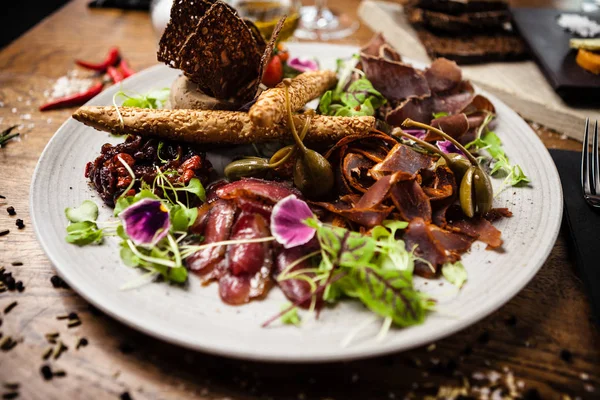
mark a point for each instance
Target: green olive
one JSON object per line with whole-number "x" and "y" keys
{"x": 466, "y": 193}
{"x": 251, "y": 166}
{"x": 459, "y": 165}
{"x": 484, "y": 193}
{"x": 313, "y": 174}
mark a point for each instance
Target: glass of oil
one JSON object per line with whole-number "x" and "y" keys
{"x": 266, "y": 13}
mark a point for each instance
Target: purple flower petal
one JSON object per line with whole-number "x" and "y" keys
{"x": 287, "y": 222}
{"x": 418, "y": 133}
{"x": 303, "y": 64}
{"x": 146, "y": 222}
{"x": 448, "y": 147}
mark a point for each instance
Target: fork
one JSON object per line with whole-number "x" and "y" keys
{"x": 590, "y": 168}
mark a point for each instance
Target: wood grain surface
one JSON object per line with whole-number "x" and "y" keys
{"x": 544, "y": 337}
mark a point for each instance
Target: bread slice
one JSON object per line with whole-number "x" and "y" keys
{"x": 475, "y": 48}
{"x": 459, "y": 6}
{"x": 459, "y": 24}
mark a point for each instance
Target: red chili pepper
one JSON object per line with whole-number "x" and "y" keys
{"x": 111, "y": 59}
{"x": 126, "y": 69}
{"x": 74, "y": 99}
{"x": 114, "y": 74}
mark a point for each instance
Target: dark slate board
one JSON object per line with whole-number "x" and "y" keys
{"x": 549, "y": 45}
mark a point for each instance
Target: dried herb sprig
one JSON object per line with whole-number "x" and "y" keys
{"x": 6, "y": 135}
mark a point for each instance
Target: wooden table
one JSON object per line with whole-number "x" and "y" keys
{"x": 525, "y": 337}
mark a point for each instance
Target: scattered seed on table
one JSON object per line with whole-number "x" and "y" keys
{"x": 57, "y": 282}
{"x": 12, "y": 385}
{"x": 19, "y": 286}
{"x": 4, "y": 232}
{"x": 46, "y": 372}
{"x": 9, "y": 307}
{"x": 82, "y": 342}
{"x": 59, "y": 349}
{"x": 16, "y": 263}
{"x": 74, "y": 323}
{"x": 59, "y": 373}
{"x": 7, "y": 343}
{"x": 62, "y": 316}
{"x": 10, "y": 395}
{"x": 10, "y": 283}
{"x": 125, "y": 396}
{"x": 2, "y": 197}
{"x": 11, "y": 210}
{"x": 73, "y": 315}
{"x": 47, "y": 353}
{"x": 566, "y": 355}
{"x": 19, "y": 223}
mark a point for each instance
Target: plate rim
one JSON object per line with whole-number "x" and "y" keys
{"x": 237, "y": 353}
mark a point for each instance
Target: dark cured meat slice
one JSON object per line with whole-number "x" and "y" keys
{"x": 497, "y": 213}
{"x": 411, "y": 201}
{"x": 427, "y": 247}
{"x": 419, "y": 110}
{"x": 454, "y": 125}
{"x": 454, "y": 242}
{"x": 443, "y": 75}
{"x": 249, "y": 258}
{"x": 253, "y": 206}
{"x": 372, "y": 48}
{"x": 402, "y": 158}
{"x": 295, "y": 289}
{"x": 443, "y": 184}
{"x": 202, "y": 219}
{"x": 218, "y": 226}
{"x": 378, "y": 192}
{"x": 393, "y": 79}
{"x": 367, "y": 217}
{"x": 254, "y": 188}
{"x": 249, "y": 264}
{"x": 481, "y": 229}
{"x": 355, "y": 168}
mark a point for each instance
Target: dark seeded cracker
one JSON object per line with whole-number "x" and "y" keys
{"x": 222, "y": 53}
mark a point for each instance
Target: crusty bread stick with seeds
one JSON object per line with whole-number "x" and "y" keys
{"x": 269, "y": 108}
{"x": 215, "y": 127}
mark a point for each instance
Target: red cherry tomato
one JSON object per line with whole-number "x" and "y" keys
{"x": 274, "y": 72}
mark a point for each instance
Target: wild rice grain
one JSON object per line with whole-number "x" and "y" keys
{"x": 4, "y": 232}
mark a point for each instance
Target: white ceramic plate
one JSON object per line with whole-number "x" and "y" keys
{"x": 196, "y": 318}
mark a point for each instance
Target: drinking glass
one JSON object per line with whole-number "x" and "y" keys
{"x": 318, "y": 22}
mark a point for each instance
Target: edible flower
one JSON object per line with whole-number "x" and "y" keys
{"x": 303, "y": 64}
{"x": 288, "y": 222}
{"x": 448, "y": 147}
{"x": 146, "y": 222}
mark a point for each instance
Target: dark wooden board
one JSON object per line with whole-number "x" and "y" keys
{"x": 549, "y": 45}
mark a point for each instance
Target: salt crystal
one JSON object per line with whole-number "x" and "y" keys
{"x": 1, "y": 104}
{"x": 431, "y": 347}
{"x": 579, "y": 24}
{"x": 494, "y": 376}
{"x": 584, "y": 376}
{"x": 478, "y": 376}
{"x": 564, "y": 136}
{"x": 589, "y": 388}
{"x": 25, "y": 116}
{"x": 20, "y": 98}
{"x": 28, "y": 103}
{"x": 31, "y": 126}
{"x": 13, "y": 110}
{"x": 49, "y": 120}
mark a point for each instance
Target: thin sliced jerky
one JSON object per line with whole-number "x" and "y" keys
{"x": 443, "y": 75}
{"x": 221, "y": 53}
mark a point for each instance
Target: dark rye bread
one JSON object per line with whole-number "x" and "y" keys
{"x": 460, "y": 6}
{"x": 459, "y": 24}
{"x": 474, "y": 49}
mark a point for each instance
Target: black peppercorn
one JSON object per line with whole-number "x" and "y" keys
{"x": 19, "y": 286}
{"x": 566, "y": 355}
{"x": 10, "y": 283}
{"x": 46, "y": 372}
{"x": 19, "y": 223}
{"x": 125, "y": 396}
{"x": 11, "y": 210}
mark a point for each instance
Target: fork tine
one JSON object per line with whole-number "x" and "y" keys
{"x": 585, "y": 182}
{"x": 596, "y": 176}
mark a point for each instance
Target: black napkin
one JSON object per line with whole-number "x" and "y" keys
{"x": 583, "y": 222}
{"x": 123, "y": 4}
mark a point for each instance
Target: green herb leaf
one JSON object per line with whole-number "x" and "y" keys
{"x": 291, "y": 317}
{"x": 87, "y": 211}
{"x": 195, "y": 187}
{"x": 153, "y": 99}
{"x": 455, "y": 273}
{"x": 84, "y": 233}
{"x": 182, "y": 218}
{"x": 440, "y": 115}
{"x": 388, "y": 293}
